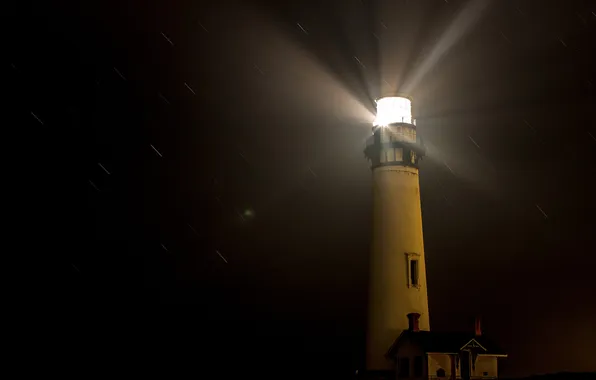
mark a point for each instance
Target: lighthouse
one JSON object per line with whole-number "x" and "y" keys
{"x": 398, "y": 299}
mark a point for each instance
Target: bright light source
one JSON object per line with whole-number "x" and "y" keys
{"x": 393, "y": 109}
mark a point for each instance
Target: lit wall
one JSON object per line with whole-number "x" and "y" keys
{"x": 438, "y": 361}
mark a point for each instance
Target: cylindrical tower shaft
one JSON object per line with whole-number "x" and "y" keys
{"x": 397, "y": 265}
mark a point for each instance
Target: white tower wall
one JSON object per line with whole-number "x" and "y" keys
{"x": 397, "y": 286}
{"x": 397, "y": 239}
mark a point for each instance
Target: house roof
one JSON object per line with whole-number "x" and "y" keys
{"x": 446, "y": 342}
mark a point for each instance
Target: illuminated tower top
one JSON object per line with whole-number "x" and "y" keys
{"x": 394, "y": 109}
{"x": 394, "y": 140}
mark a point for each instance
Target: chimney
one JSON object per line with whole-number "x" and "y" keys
{"x": 477, "y": 327}
{"x": 413, "y": 322}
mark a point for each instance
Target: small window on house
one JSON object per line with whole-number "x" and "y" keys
{"x": 440, "y": 372}
{"x": 414, "y": 272}
{"x": 404, "y": 367}
{"x": 418, "y": 365}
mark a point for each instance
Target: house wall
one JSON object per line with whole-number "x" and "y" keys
{"x": 438, "y": 361}
{"x": 485, "y": 364}
{"x": 411, "y": 351}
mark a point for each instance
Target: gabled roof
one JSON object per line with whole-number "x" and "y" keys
{"x": 446, "y": 342}
{"x": 473, "y": 343}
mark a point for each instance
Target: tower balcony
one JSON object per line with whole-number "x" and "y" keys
{"x": 396, "y": 144}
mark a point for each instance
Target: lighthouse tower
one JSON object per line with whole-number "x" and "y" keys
{"x": 397, "y": 296}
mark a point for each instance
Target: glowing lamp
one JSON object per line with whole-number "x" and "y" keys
{"x": 393, "y": 109}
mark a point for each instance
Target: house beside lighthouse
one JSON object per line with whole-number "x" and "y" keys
{"x": 444, "y": 355}
{"x": 400, "y": 343}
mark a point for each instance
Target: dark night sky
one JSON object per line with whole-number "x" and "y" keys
{"x": 161, "y": 134}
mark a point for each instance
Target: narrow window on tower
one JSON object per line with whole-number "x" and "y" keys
{"x": 414, "y": 272}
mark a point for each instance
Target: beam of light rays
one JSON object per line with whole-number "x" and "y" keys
{"x": 344, "y": 28}
{"x": 399, "y": 33}
{"x": 316, "y": 80}
{"x": 496, "y": 108}
{"x": 284, "y": 193}
{"x": 467, "y": 18}
{"x": 475, "y": 174}
{"x": 347, "y": 33}
{"x": 299, "y": 74}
